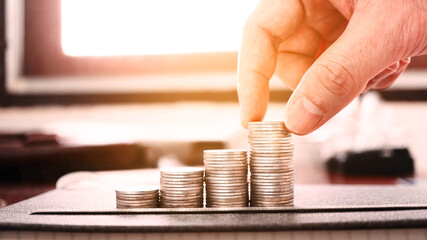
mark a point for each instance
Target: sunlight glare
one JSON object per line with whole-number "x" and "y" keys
{"x": 140, "y": 27}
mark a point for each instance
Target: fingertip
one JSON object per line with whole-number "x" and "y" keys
{"x": 302, "y": 116}
{"x": 243, "y": 121}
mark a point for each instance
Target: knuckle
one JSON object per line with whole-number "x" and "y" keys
{"x": 337, "y": 79}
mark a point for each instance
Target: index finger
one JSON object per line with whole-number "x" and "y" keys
{"x": 272, "y": 22}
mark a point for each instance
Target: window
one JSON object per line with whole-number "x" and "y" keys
{"x": 128, "y": 37}
{"x": 116, "y": 50}
{"x": 89, "y": 51}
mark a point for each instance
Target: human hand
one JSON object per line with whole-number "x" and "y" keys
{"x": 328, "y": 52}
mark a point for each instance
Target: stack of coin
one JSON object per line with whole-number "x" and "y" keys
{"x": 137, "y": 197}
{"x": 181, "y": 187}
{"x": 226, "y": 178}
{"x": 271, "y": 166}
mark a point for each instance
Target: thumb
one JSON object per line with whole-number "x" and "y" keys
{"x": 340, "y": 74}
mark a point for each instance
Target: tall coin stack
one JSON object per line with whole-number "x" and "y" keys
{"x": 271, "y": 166}
{"x": 226, "y": 178}
{"x": 137, "y": 197}
{"x": 181, "y": 187}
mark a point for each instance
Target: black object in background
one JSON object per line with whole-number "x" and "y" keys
{"x": 41, "y": 158}
{"x": 378, "y": 162}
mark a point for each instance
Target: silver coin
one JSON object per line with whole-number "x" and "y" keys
{"x": 182, "y": 175}
{"x": 220, "y": 189}
{"x": 271, "y": 175}
{"x": 137, "y": 206}
{"x": 178, "y": 185}
{"x": 137, "y": 203}
{"x": 181, "y": 201}
{"x": 266, "y": 127}
{"x": 271, "y": 153}
{"x": 232, "y": 157}
{"x": 269, "y": 170}
{"x": 182, "y": 206}
{"x": 226, "y": 205}
{"x": 209, "y": 159}
{"x": 225, "y": 161}
{"x": 226, "y": 183}
{"x": 227, "y": 191}
{"x": 272, "y": 200}
{"x": 215, "y": 194}
{"x": 284, "y": 160}
{"x": 272, "y": 163}
{"x": 148, "y": 195}
{"x": 179, "y": 191}
{"x": 284, "y": 204}
{"x": 226, "y": 173}
{"x": 181, "y": 179}
{"x": 136, "y": 190}
{"x": 228, "y": 176}
{"x": 137, "y": 198}
{"x": 175, "y": 195}
{"x": 212, "y": 197}
{"x": 227, "y": 199}
{"x": 272, "y": 181}
{"x": 267, "y": 196}
{"x": 271, "y": 148}
{"x": 225, "y": 152}
{"x": 228, "y": 188}
{"x": 255, "y": 183}
{"x": 269, "y": 140}
{"x": 227, "y": 167}
{"x": 165, "y": 196}
{"x": 226, "y": 170}
{"x": 256, "y": 162}
{"x": 241, "y": 177}
{"x": 270, "y": 191}
{"x": 272, "y": 197}
{"x": 275, "y": 145}
{"x": 266, "y": 135}
{"x": 229, "y": 202}
{"x": 181, "y": 184}
{"x": 133, "y": 207}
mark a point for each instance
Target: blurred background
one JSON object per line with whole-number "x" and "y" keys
{"x": 95, "y": 85}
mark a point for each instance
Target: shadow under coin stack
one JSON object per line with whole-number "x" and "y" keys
{"x": 181, "y": 187}
{"x": 137, "y": 197}
{"x": 226, "y": 178}
{"x": 271, "y": 165}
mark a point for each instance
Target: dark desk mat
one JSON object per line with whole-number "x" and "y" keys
{"x": 316, "y": 207}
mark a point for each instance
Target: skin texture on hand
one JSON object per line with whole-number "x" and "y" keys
{"x": 328, "y": 52}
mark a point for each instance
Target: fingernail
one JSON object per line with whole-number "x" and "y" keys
{"x": 243, "y": 121}
{"x": 303, "y": 116}
{"x": 406, "y": 60}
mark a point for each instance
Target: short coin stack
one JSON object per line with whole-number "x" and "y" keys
{"x": 226, "y": 177}
{"x": 181, "y": 187}
{"x": 271, "y": 166}
{"x": 137, "y": 197}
